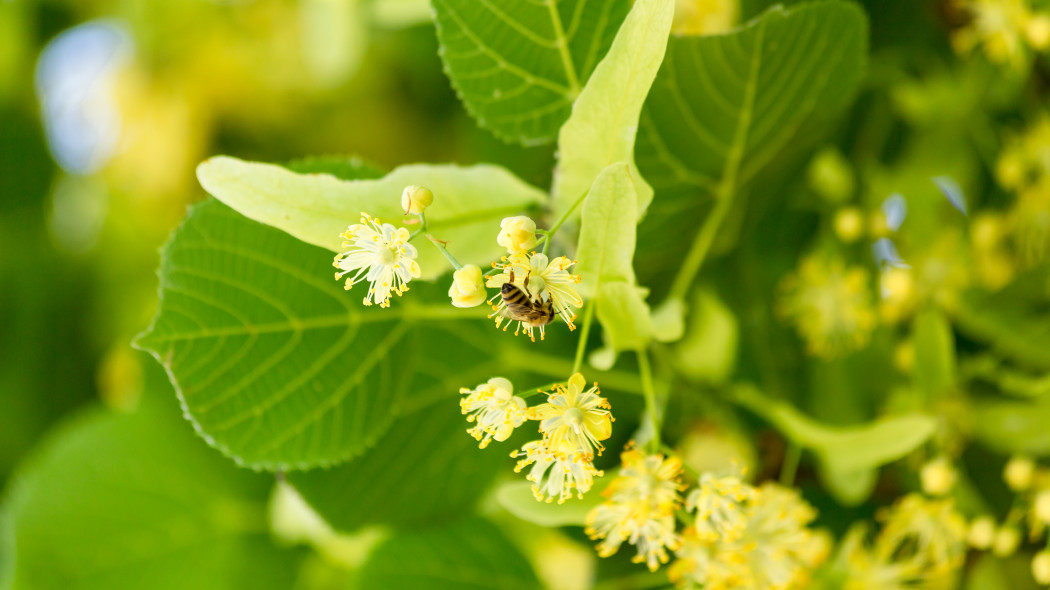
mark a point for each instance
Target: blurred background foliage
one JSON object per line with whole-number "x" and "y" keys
{"x": 922, "y": 220}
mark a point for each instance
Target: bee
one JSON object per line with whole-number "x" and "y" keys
{"x": 520, "y": 306}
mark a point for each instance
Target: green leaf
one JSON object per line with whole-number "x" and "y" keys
{"x": 425, "y": 471}
{"x": 934, "y": 354}
{"x": 845, "y": 449}
{"x": 275, "y": 364}
{"x": 849, "y": 488}
{"x": 517, "y": 498}
{"x": 114, "y": 501}
{"x": 604, "y": 121}
{"x": 1014, "y": 320}
{"x": 469, "y": 203}
{"x": 472, "y": 555}
{"x": 605, "y": 249}
{"x": 1014, "y": 426}
{"x": 519, "y": 64}
{"x": 724, "y": 106}
{"x": 708, "y": 351}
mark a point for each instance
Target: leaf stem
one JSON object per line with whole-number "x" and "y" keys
{"x": 437, "y": 243}
{"x": 701, "y": 246}
{"x": 564, "y": 217}
{"x": 646, "y": 373}
{"x": 789, "y": 467}
{"x": 585, "y": 331}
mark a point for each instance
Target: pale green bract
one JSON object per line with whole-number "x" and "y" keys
{"x": 604, "y": 121}
{"x": 469, "y": 202}
{"x": 843, "y": 448}
{"x": 518, "y": 65}
{"x": 517, "y": 498}
{"x": 605, "y": 253}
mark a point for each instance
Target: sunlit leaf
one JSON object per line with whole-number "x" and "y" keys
{"x": 604, "y": 121}
{"x": 518, "y": 499}
{"x": 519, "y": 64}
{"x": 275, "y": 364}
{"x": 934, "y": 354}
{"x": 469, "y": 203}
{"x": 605, "y": 249}
{"x": 472, "y": 555}
{"x": 115, "y": 501}
{"x": 724, "y": 106}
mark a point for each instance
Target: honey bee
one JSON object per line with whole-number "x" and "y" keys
{"x": 520, "y": 306}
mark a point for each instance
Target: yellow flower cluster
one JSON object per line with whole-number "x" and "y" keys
{"x": 921, "y": 545}
{"x": 640, "y": 508}
{"x": 1024, "y": 169}
{"x": 1005, "y": 30}
{"x": 829, "y": 304}
{"x": 774, "y": 549}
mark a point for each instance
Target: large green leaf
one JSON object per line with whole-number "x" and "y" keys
{"x": 275, "y": 364}
{"x": 469, "y": 203}
{"x": 934, "y": 354}
{"x": 426, "y": 470}
{"x": 843, "y": 449}
{"x": 472, "y": 555}
{"x": 605, "y": 248}
{"x": 114, "y": 501}
{"x": 518, "y": 65}
{"x": 724, "y": 106}
{"x": 604, "y": 121}
{"x": 1014, "y": 426}
{"x": 1015, "y": 320}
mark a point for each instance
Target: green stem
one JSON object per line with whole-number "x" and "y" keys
{"x": 646, "y": 373}
{"x": 585, "y": 331}
{"x": 441, "y": 248}
{"x": 702, "y": 244}
{"x": 790, "y": 466}
{"x": 559, "y": 367}
{"x": 565, "y": 217}
{"x": 538, "y": 390}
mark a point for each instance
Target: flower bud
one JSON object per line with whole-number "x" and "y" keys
{"x": 1041, "y": 507}
{"x": 1018, "y": 473}
{"x": 849, "y": 224}
{"x": 414, "y": 199}
{"x": 517, "y": 234}
{"x": 981, "y": 533}
{"x": 938, "y": 477}
{"x": 1041, "y": 567}
{"x": 1007, "y": 539}
{"x": 468, "y": 287}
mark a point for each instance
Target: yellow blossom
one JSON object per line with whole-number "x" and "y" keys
{"x": 720, "y": 504}
{"x": 574, "y": 420}
{"x": 468, "y": 287}
{"x": 545, "y": 282}
{"x": 555, "y": 472}
{"x": 704, "y": 17}
{"x": 1004, "y": 29}
{"x": 640, "y": 508}
{"x": 1006, "y": 541}
{"x": 381, "y": 255}
{"x": 938, "y": 476}
{"x": 494, "y": 408}
{"x": 981, "y": 533}
{"x": 1041, "y": 567}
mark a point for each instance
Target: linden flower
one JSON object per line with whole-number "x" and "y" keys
{"x": 640, "y": 509}
{"x": 556, "y": 471}
{"x": 495, "y": 409}
{"x": 381, "y": 255}
{"x": 830, "y": 304}
{"x": 573, "y": 420}
{"x": 468, "y": 287}
{"x": 1002, "y": 28}
{"x": 720, "y": 505}
{"x": 545, "y": 282}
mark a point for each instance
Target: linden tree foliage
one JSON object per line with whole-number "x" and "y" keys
{"x": 471, "y": 555}
{"x": 519, "y": 66}
{"x": 136, "y": 501}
